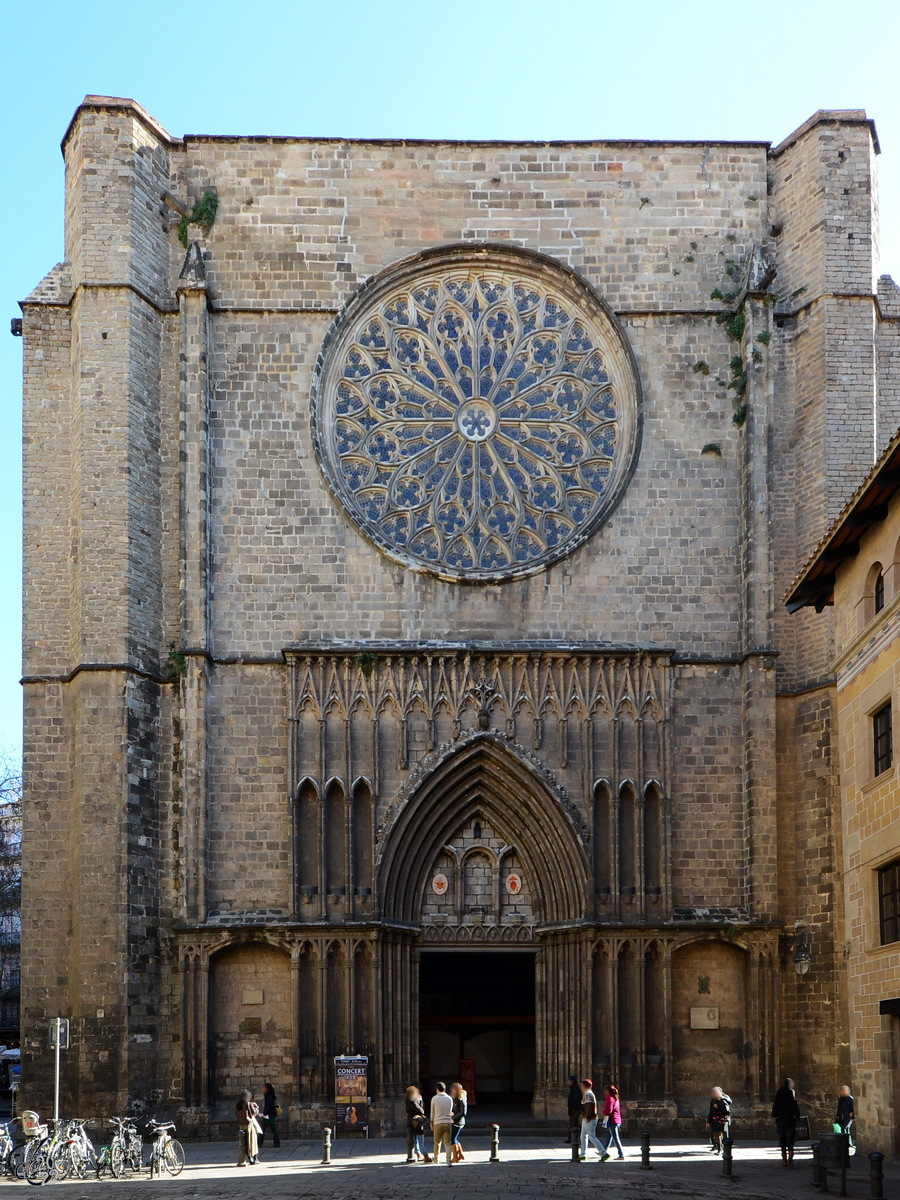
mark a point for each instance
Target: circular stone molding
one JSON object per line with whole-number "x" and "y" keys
{"x": 476, "y": 412}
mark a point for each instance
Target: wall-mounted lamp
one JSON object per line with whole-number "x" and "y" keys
{"x": 795, "y": 947}
{"x": 802, "y": 959}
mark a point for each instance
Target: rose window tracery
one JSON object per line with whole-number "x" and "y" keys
{"x": 476, "y": 415}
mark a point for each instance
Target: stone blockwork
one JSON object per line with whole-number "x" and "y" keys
{"x": 251, "y": 737}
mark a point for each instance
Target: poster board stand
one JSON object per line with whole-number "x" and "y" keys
{"x": 351, "y": 1094}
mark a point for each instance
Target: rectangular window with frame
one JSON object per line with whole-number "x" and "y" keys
{"x": 882, "y": 740}
{"x": 889, "y": 902}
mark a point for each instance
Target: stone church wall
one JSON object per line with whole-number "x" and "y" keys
{"x": 197, "y": 802}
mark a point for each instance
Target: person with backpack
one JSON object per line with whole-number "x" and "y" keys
{"x": 612, "y": 1121}
{"x": 718, "y": 1119}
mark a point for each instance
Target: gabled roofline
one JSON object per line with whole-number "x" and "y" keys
{"x": 814, "y": 586}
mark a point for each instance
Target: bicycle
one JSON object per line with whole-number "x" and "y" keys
{"x": 126, "y": 1148}
{"x": 10, "y": 1160}
{"x": 36, "y": 1166}
{"x": 165, "y": 1151}
{"x": 74, "y": 1153}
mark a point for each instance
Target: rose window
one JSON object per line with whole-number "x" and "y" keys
{"x": 476, "y": 414}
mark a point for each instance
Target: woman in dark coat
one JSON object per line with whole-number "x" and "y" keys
{"x": 786, "y": 1110}
{"x": 269, "y": 1114}
{"x": 415, "y": 1125}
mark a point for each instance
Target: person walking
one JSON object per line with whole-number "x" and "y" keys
{"x": 612, "y": 1121}
{"x": 248, "y": 1127}
{"x": 573, "y": 1107}
{"x": 785, "y": 1111}
{"x": 415, "y": 1125}
{"x": 845, "y": 1115}
{"x": 271, "y": 1109}
{"x": 718, "y": 1118}
{"x": 588, "y": 1119}
{"x": 442, "y": 1122}
{"x": 460, "y": 1108}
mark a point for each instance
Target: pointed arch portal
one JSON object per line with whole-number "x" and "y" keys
{"x": 483, "y": 777}
{"x": 488, "y": 993}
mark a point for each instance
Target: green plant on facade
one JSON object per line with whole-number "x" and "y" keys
{"x": 366, "y": 662}
{"x": 712, "y": 448}
{"x": 739, "y": 416}
{"x": 175, "y": 664}
{"x": 701, "y": 368}
{"x": 202, "y": 214}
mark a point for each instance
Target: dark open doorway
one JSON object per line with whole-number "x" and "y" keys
{"x": 478, "y": 1005}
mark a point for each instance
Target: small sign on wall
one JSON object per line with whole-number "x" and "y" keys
{"x": 252, "y": 996}
{"x": 704, "y": 1018}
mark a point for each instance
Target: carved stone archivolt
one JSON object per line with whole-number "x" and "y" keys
{"x": 476, "y": 412}
{"x": 562, "y": 749}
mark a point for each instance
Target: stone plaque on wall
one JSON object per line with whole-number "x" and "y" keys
{"x": 704, "y": 1018}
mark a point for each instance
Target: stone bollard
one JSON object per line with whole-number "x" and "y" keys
{"x": 727, "y": 1145}
{"x": 495, "y": 1144}
{"x": 576, "y": 1145}
{"x": 876, "y": 1176}
{"x": 817, "y": 1170}
{"x": 645, "y": 1151}
{"x": 326, "y": 1147}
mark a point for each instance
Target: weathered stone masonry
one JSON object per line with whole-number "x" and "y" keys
{"x": 252, "y": 736}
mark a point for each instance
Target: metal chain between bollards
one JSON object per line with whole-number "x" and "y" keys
{"x": 876, "y": 1176}
{"x": 495, "y": 1144}
{"x": 645, "y": 1151}
{"x": 326, "y": 1147}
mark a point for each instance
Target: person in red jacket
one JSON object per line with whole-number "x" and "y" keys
{"x": 612, "y": 1119}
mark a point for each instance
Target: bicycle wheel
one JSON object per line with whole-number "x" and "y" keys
{"x": 36, "y": 1167}
{"x": 117, "y": 1159}
{"x": 61, "y": 1162}
{"x": 173, "y": 1157}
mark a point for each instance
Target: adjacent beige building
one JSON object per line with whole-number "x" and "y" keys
{"x": 857, "y": 570}
{"x": 405, "y": 671}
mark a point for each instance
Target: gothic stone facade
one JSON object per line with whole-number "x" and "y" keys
{"x": 399, "y": 583}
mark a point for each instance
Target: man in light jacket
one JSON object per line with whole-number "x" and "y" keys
{"x": 442, "y": 1121}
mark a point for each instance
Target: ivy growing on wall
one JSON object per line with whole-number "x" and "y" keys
{"x": 202, "y": 214}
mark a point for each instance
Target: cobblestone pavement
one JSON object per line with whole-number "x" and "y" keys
{"x": 530, "y": 1169}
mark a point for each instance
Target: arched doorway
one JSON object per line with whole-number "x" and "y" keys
{"x": 484, "y": 859}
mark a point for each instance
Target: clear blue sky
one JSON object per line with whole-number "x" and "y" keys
{"x": 416, "y": 68}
